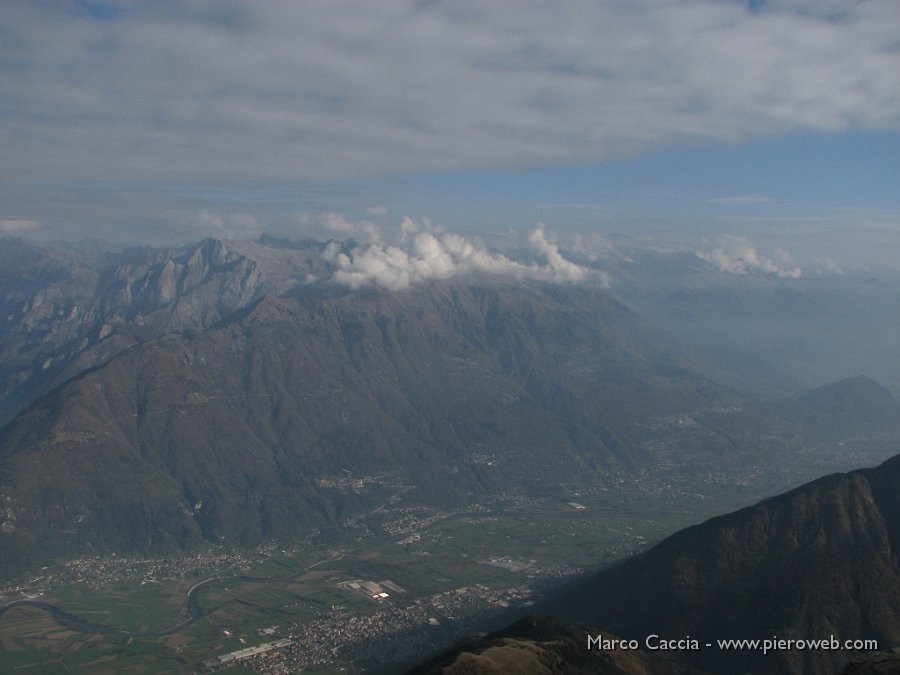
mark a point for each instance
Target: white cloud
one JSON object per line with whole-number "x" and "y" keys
{"x": 288, "y": 91}
{"x": 333, "y": 225}
{"x": 827, "y": 266}
{"x": 563, "y": 270}
{"x": 377, "y": 211}
{"x": 17, "y": 225}
{"x": 427, "y": 252}
{"x": 223, "y": 225}
{"x": 737, "y": 255}
{"x": 335, "y": 222}
{"x": 593, "y": 247}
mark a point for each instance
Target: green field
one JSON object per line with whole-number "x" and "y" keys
{"x": 447, "y": 555}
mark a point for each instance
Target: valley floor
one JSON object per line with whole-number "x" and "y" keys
{"x": 396, "y": 585}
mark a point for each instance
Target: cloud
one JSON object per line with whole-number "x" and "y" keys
{"x": 213, "y": 223}
{"x": 737, "y": 255}
{"x": 333, "y": 225}
{"x": 17, "y": 225}
{"x": 426, "y": 252}
{"x": 287, "y": 91}
{"x": 379, "y": 211}
{"x": 827, "y": 266}
{"x": 563, "y": 270}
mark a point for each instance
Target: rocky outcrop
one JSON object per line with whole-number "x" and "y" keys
{"x": 64, "y": 314}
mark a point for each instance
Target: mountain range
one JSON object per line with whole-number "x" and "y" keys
{"x": 156, "y": 401}
{"x": 159, "y": 400}
{"x": 191, "y": 397}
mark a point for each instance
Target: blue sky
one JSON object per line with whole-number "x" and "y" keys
{"x": 701, "y": 187}
{"x": 675, "y": 120}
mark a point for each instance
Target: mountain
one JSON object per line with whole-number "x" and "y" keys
{"x": 818, "y": 561}
{"x": 875, "y": 664}
{"x": 857, "y": 404}
{"x": 228, "y": 392}
{"x": 268, "y": 415}
{"x": 542, "y": 646}
{"x": 68, "y": 311}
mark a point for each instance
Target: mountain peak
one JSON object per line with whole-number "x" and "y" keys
{"x": 858, "y": 403}
{"x": 859, "y": 385}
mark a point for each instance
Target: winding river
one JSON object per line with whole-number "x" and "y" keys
{"x": 195, "y": 612}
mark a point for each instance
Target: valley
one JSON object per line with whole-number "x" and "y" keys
{"x": 446, "y": 573}
{"x": 228, "y": 470}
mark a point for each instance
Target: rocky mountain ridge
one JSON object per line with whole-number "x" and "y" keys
{"x": 66, "y": 313}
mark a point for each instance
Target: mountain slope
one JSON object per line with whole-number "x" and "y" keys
{"x": 857, "y": 404}
{"x": 820, "y": 560}
{"x": 542, "y": 646}
{"x": 251, "y": 429}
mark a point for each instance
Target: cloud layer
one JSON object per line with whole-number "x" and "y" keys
{"x": 427, "y": 253}
{"x": 283, "y": 90}
{"x": 737, "y": 255}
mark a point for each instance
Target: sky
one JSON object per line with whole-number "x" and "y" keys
{"x": 775, "y": 122}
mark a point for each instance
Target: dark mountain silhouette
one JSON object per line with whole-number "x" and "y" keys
{"x": 538, "y": 645}
{"x": 875, "y": 664}
{"x": 818, "y": 561}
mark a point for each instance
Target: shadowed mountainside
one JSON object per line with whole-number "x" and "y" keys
{"x": 245, "y": 430}
{"x": 543, "y": 646}
{"x": 818, "y": 561}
